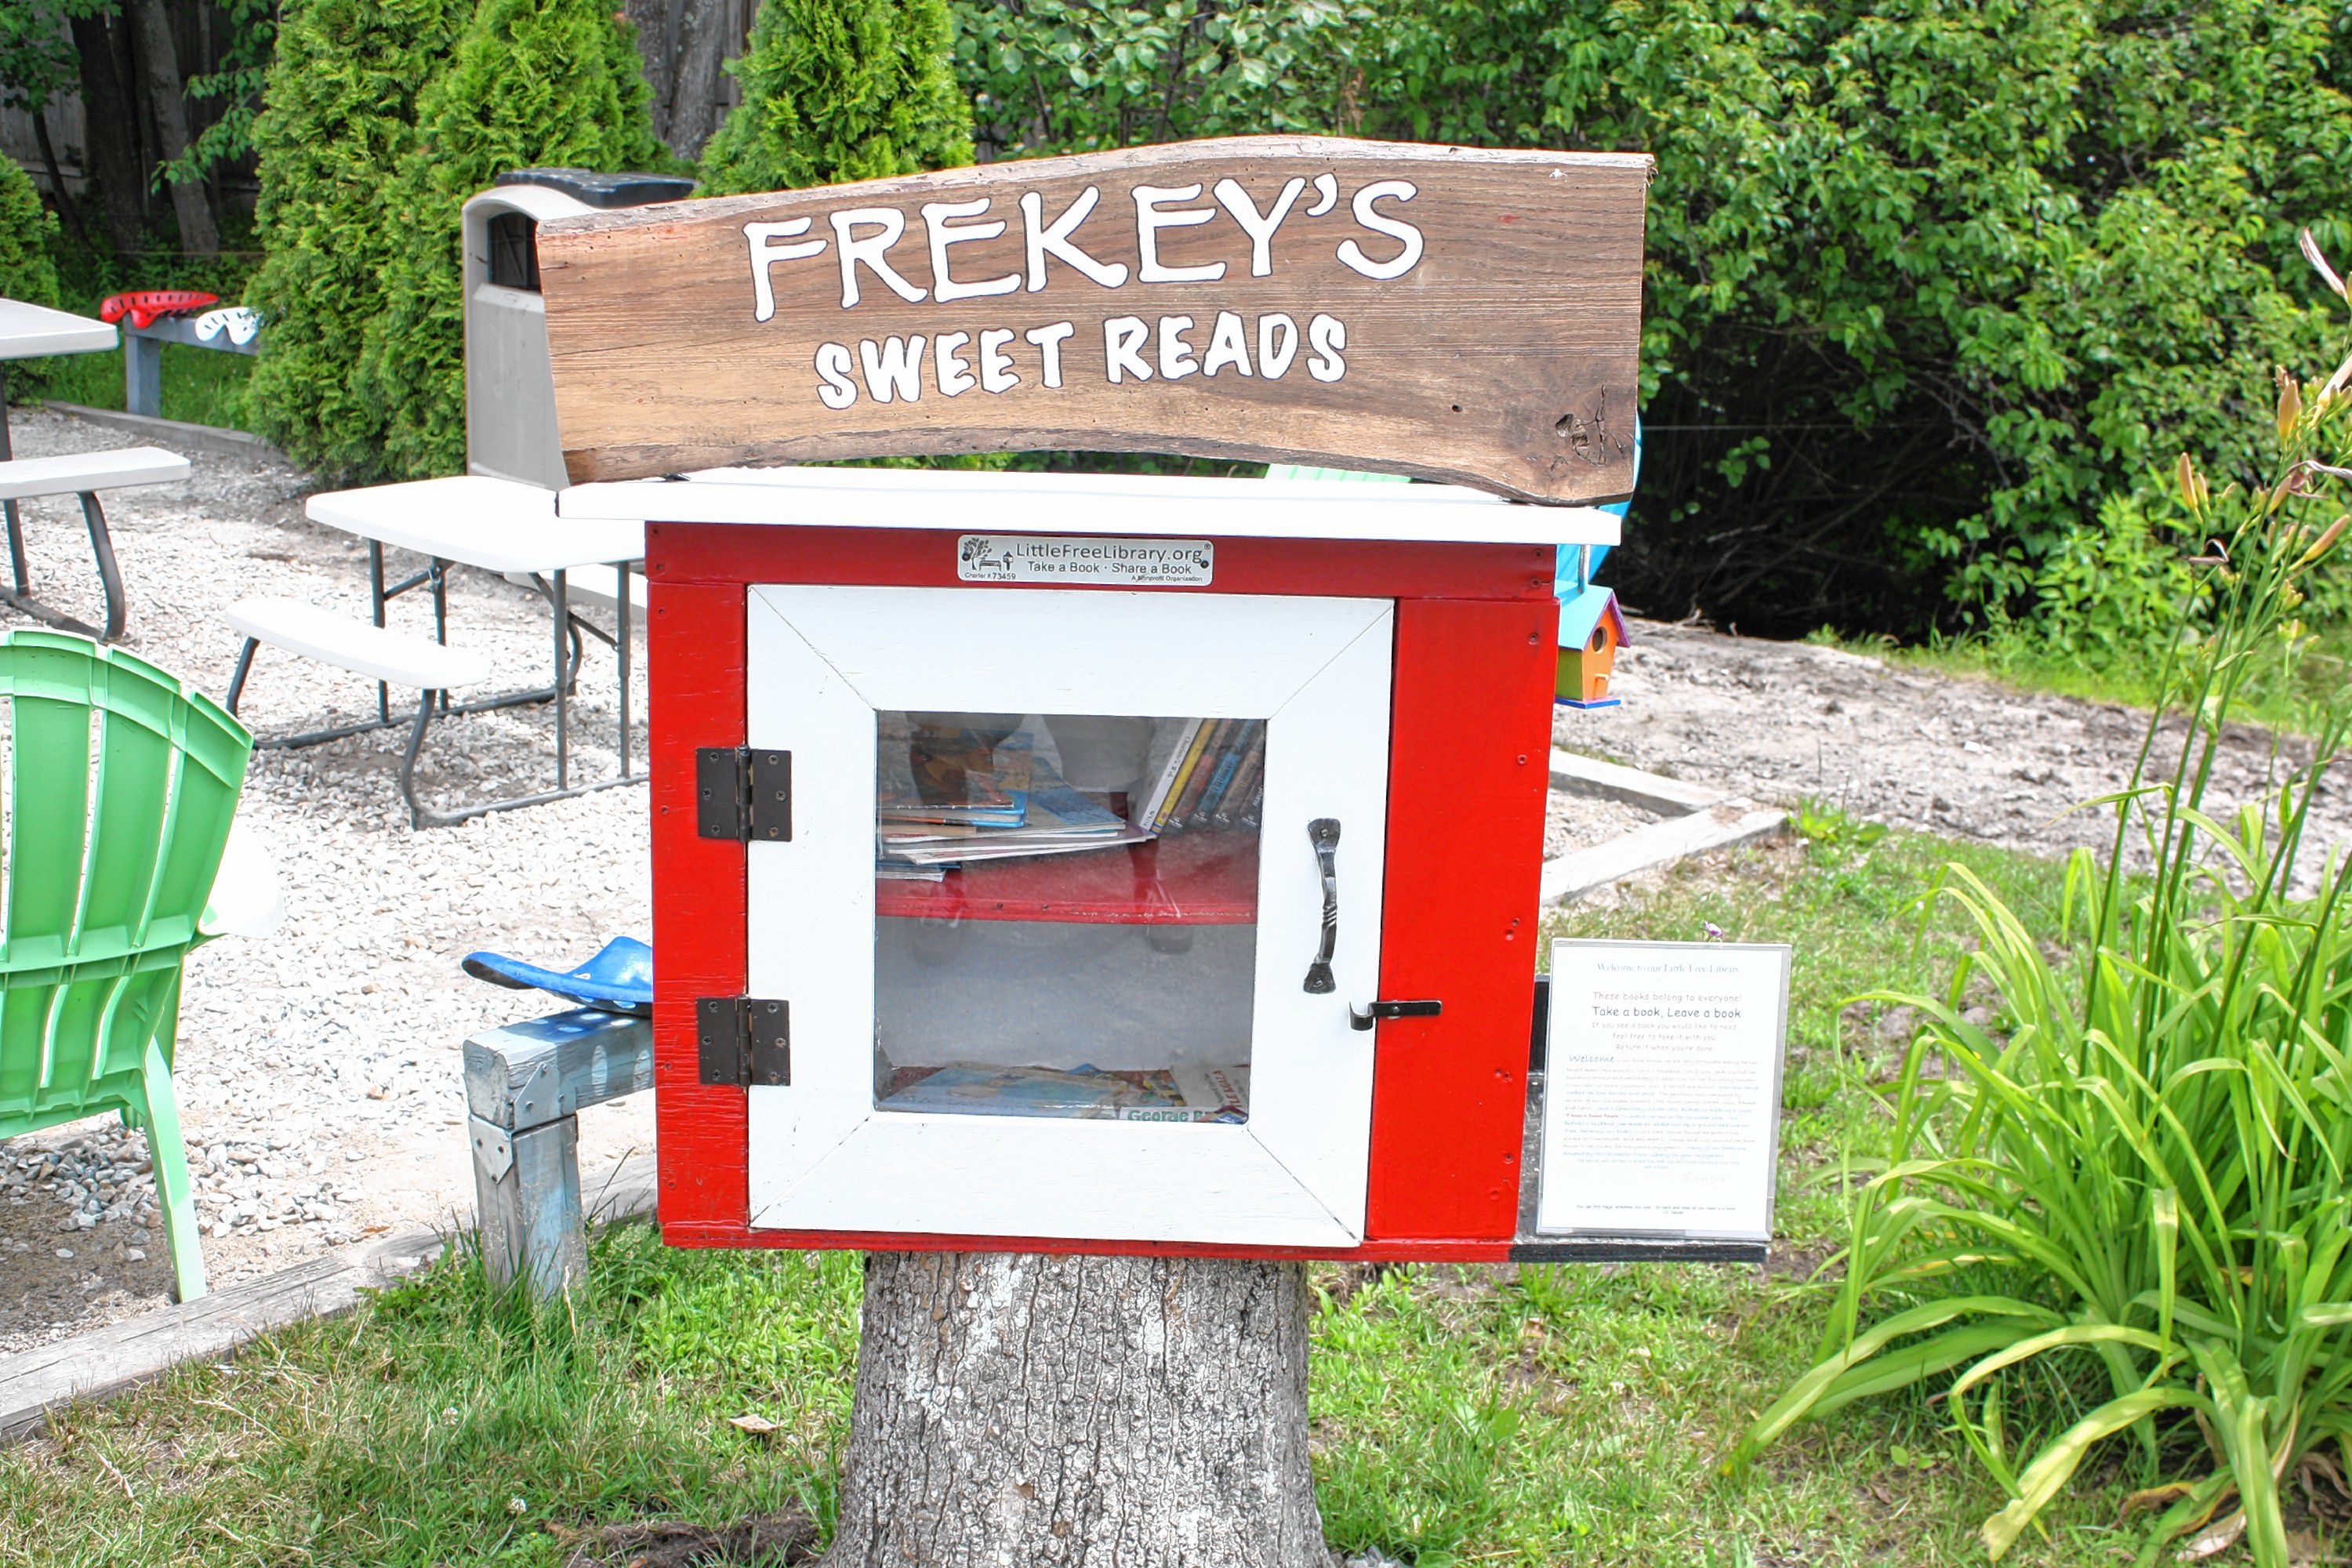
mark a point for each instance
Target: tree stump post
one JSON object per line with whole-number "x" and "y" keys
{"x": 1027, "y": 1411}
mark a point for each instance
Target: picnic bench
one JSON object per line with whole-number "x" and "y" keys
{"x": 429, "y": 669}
{"x": 82, "y": 474}
{"x": 494, "y": 525}
{"x": 28, "y": 332}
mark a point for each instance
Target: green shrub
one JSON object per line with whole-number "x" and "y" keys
{"x": 529, "y": 83}
{"x": 1926, "y": 283}
{"x": 338, "y": 118}
{"x": 840, "y": 90}
{"x": 2132, "y": 1185}
{"x": 28, "y": 229}
{"x": 1071, "y": 76}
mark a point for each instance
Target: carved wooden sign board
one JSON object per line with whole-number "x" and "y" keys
{"x": 1448, "y": 312}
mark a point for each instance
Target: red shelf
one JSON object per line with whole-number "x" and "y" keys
{"x": 1191, "y": 879}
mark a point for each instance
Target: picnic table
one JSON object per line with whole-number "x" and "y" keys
{"x": 37, "y": 332}
{"x": 492, "y": 525}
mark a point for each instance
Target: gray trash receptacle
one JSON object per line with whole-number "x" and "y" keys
{"x": 510, "y": 388}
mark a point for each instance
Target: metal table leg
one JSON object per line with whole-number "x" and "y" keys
{"x": 19, "y": 596}
{"x": 621, "y": 581}
{"x": 563, "y": 686}
{"x": 439, "y": 571}
{"x": 375, "y": 598}
{"x": 15, "y": 525}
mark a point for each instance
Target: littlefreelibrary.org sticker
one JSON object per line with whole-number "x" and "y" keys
{"x": 1061, "y": 558}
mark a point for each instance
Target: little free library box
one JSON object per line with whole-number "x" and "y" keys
{"x": 1107, "y": 862}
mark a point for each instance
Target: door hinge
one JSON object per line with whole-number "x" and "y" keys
{"x": 744, "y": 793}
{"x": 743, "y": 1040}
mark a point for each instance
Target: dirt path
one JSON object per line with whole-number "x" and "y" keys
{"x": 1940, "y": 753}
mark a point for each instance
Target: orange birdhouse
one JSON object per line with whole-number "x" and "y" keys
{"x": 1591, "y": 630}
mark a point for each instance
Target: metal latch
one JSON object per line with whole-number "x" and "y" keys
{"x": 744, "y": 793}
{"x": 1365, "y": 1017}
{"x": 743, "y": 1040}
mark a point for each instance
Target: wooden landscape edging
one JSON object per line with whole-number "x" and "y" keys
{"x": 106, "y": 1360}
{"x": 1694, "y": 819}
{"x": 1451, "y": 312}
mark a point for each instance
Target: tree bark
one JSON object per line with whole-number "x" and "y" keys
{"x": 682, "y": 43}
{"x": 66, "y": 203}
{"x": 705, "y": 38}
{"x": 112, "y": 123}
{"x": 1023, "y": 1411}
{"x": 160, "y": 64}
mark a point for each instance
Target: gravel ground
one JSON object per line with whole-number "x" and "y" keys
{"x": 1580, "y": 821}
{"x": 1940, "y": 753}
{"x": 318, "y": 1070}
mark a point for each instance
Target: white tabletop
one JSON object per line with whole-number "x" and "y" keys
{"x": 29, "y": 331}
{"x": 499, "y": 525}
{"x": 1188, "y": 506}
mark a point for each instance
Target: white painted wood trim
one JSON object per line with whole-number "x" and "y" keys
{"x": 1171, "y": 506}
{"x": 1311, "y": 1086}
{"x": 1056, "y": 650}
{"x": 820, "y": 660}
{"x": 810, "y": 902}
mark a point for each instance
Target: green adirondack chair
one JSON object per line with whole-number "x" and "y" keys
{"x": 122, "y": 784}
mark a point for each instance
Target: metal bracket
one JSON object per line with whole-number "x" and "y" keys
{"x": 1365, "y": 1017}
{"x": 493, "y": 1147}
{"x": 743, "y": 793}
{"x": 541, "y": 1098}
{"x": 743, "y": 1041}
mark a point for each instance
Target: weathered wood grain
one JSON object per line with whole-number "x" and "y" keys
{"x": 1503, "y": 355}
{"x": 1721, "y": 827}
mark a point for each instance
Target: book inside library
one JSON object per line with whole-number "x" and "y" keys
{"x": 1066, "y": 914}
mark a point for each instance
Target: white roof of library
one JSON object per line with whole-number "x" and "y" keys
{"x": 964, "y": 501}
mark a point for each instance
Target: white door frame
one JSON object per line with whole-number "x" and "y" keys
{"x": 821, "y": 662}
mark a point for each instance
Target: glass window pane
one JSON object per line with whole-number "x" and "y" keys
{"x": 1066, "y": 914}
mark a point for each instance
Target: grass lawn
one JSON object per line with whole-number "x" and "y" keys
{"x": 202, "y": 386}
{"x": 1463, "y": 1415}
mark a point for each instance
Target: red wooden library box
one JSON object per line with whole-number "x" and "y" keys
{"x": 1105, "y": 862}
{"x": 1255, "y": 969}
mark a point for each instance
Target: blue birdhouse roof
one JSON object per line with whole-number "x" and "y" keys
{"x": 1580, "y": 614}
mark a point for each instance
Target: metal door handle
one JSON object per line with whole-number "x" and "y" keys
{"x": 1324, "y": 834}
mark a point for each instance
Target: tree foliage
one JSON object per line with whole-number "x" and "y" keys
{"x": 27, "y": 230}
{"x": 840, "y": 90}
{"x": 1927, "y": 282}
{"x": 529, "y": 83}
{"x": 1928, "y": 285}
{"x": 237, "y": 81}
{"x": 339, "y": 117}
{"x": 1066, "y": 76}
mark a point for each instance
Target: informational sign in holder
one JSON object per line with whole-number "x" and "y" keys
{"x": 1661, "y": 1097}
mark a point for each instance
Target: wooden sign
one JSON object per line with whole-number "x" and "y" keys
{"x": 1443, "y": 311}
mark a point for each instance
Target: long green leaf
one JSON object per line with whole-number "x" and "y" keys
{"x": 2040, "y": 1480}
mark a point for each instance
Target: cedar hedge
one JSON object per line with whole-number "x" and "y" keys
{"x": 339, "y": 118}
{"x": 529, "y": 82}
{"x": 841, "y": 89}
